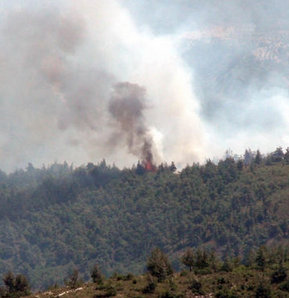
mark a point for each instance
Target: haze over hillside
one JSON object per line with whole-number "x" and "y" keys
{"x": 58, "y": 218}
{"x": 199, "y": 78}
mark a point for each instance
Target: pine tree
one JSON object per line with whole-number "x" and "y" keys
{"x": 188, "y": 258}
{"x": 201, "y": 259}
{"x": 73, "y": 280}
{"x": 140, "y": 170}
{"x": 96, "y": 275}
{"x": 158, "y": 265}
{"x": 260, "y": 259}
{"x": 172, "y": 167}
{"x": 258, "y": 158}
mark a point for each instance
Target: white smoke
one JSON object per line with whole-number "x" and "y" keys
{"x": 238, "y": 51}
{"x": 59, "y": 62}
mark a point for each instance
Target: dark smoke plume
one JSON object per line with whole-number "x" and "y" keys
{"x": 126, "y": 106}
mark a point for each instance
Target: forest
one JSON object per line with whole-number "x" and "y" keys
{"x": 262, "y": 274}
{"x": 59, "y": 217}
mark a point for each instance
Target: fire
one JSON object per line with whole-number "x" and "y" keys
{"x": 148, "y": 165}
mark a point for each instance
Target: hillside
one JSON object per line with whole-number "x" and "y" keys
{"x": 58, "y": 218}
{"x": 265, "y": 275}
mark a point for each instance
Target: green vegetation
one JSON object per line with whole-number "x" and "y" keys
{"x": 14, "y": 286}
{"x": 73, "y": 281}
{"x": 188, "y": 259}
{"x": 240, "y": 281}
{"x": 96, "y": 275}
{"x": 158, "y": 265}
{"x": 55, "y": 219}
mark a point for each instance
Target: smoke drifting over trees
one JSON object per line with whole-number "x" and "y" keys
{"x": 127, "y": 106}
{"x": 238, "y": 51}
{"x": 60, "y": 63}
{"x": 63, "y": 66}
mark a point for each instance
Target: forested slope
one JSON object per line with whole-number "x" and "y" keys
{"x": 57, "y": 218}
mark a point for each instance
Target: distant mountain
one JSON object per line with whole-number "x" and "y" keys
{"x": 235, "y": 68}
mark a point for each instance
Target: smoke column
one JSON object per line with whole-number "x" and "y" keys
{"x": 126, "y": 106}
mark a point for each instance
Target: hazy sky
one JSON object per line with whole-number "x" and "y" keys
{"x": 214, "y": 76}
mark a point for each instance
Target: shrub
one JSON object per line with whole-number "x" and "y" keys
{"x": 203, "y": 271}
{"x": 151, "y": 285}
{"x": 184, "y": 273}
{"x": 3, "y": 292}
{"x": 263, "y": 291}
{"x": 169, "y": 294}
{"x": 196, "y": 287}
{"x": 111, "y": 292}
{"x": 21, "y": 284}
{"x": 226, "y": 266}
{"x": 73, "y": 281}
{"x": 284, "y": 286}
{"x": 96, "y": 275}
{"x": 172, "y": 284}
{"x": 225, "y": 293}
{"x": 221, "y": 281}
{"x": 279, "y": 275}
{"x": 15, "y": 286}
{"x": 129, "y": 276}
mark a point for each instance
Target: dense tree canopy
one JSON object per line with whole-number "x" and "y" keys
{"x": 57, "y": 218}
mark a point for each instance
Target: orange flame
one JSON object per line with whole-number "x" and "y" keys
{"x": 148, "y": 165}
